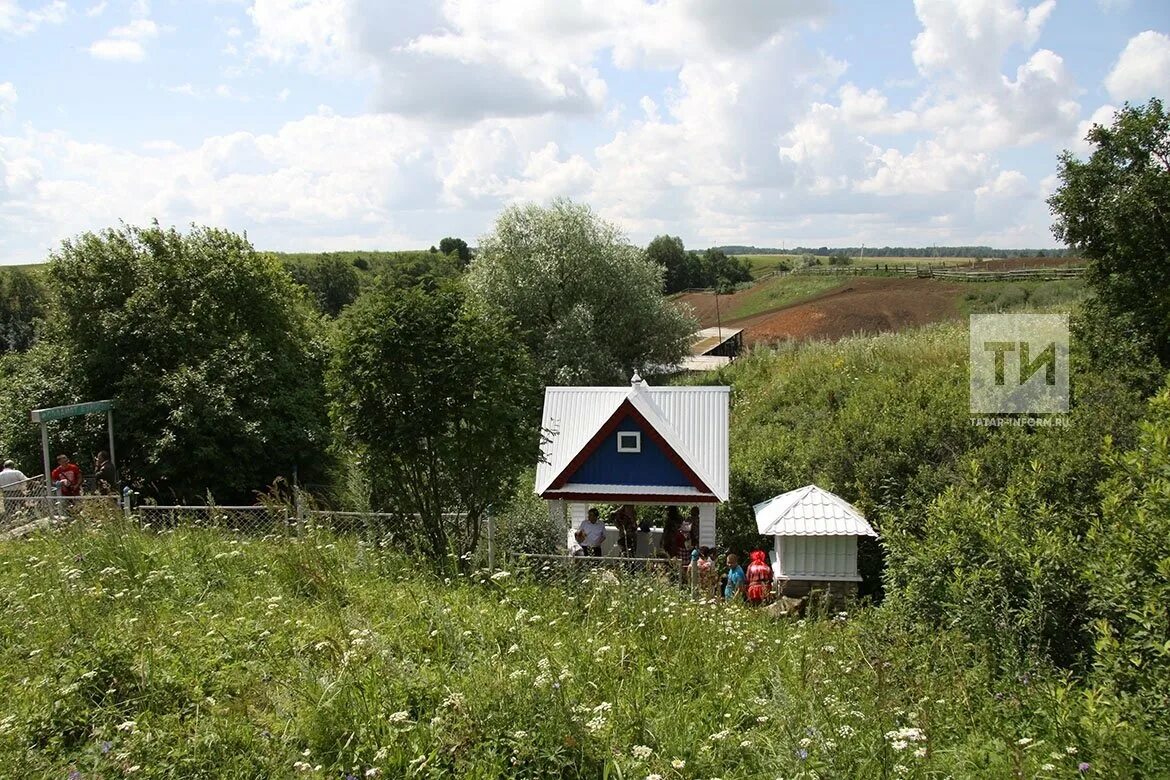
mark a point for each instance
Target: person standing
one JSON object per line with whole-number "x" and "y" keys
{"x": 735, "y": 578}
{"x": 759, "y": 578}
{"x": 12, "y": 484}
{"x": 592, "y": 534}
{"x": 103, "y": 474}
{"x": 66, "y": 477}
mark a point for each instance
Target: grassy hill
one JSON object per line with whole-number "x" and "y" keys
{"x": 194, "y": 654}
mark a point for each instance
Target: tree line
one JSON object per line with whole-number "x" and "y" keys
{"x": 412, "y": 387}
{"x": 985, "y": 252}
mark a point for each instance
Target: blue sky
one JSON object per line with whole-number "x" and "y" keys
{"x": 344, "y": 124}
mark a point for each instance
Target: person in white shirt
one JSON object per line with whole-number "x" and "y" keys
{"x": 12, "y": 484}
{"x": 592, "y": 534}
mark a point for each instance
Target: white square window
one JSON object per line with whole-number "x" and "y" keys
{"x": 629, "y": 441}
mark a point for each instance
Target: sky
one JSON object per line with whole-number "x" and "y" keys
{"x": 321, "y": 125}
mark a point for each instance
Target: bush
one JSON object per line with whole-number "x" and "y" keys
{"x": 1128, "y": 568}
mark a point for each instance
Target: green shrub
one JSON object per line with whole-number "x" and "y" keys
{"x": 1128, "y": 568}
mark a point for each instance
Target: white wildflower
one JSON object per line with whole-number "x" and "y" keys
{"x": 642, "y": 752}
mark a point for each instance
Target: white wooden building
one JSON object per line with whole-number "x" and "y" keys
{"x": 815, "y": 534}
{"x": 634, "y": 445}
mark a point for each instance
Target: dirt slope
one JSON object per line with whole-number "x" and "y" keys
{"x": 859, "y": 305}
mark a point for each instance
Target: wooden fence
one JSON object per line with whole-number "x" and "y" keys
{"x": 951, "y": 272}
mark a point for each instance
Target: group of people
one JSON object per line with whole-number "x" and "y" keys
{"x": 66, "y": 478}
{"x": 679, "y": 536}
{"x": 754, "y": 585}
{"x": 680, "y": 542}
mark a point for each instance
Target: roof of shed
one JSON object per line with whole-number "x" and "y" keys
{"x": 692, "y": 421}
{"x": 810, "y": 511}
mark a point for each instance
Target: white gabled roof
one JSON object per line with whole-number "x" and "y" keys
{"x": 810, "y": 511}
{"x": 692, "y": 420}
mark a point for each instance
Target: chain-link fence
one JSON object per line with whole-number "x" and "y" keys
{"x": 31, "y": 506}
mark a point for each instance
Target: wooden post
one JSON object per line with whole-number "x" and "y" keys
{"x": 706, "y": 525}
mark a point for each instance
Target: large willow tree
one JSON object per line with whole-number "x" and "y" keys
{"x": 588, "y": 303}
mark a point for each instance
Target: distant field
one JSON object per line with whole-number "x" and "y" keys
{"x": 806, "y": 306}
{"x": 770, "y": 294}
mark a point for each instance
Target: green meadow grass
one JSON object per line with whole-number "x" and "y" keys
{"x": 193, "y": 653}
{"x": 777, "y": 292}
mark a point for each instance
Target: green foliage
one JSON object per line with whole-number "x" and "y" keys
{"x": 439, "y": 398}
{"x": 1128, "y": 568}
{"x": 983, "y": 297}
{"x": 457, "y": 246}
{"x": 1112, "y": 209}
{"x": 204, "y": 656}
{"x": 1002, "y": 563}
{"x": 678, "y": 270}
{"x": 523, "y": 525}
{"x": 876, "y": 420}
{"x": 22, "y": 305}
{"x": 332, "y": 283}
{"x": 206, "y": 347}
{"x": 588, "y": 304}
{"x": 413, "y": 264}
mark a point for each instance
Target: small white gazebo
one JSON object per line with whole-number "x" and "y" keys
{"x": 816, "y": 535}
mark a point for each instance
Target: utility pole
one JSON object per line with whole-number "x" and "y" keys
{"x": 718, "y": 317}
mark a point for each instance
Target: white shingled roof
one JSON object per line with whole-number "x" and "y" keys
{"x": 810, "y": 511}
{"x": 692, "y": 420}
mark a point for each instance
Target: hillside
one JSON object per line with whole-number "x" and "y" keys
{"x": 199, "y": 655}
{"x": 797, "y": 307}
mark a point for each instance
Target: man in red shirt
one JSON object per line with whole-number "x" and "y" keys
{"x": 67, "y": 477}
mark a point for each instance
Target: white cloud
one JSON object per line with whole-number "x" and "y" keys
{"x": 969, "y": 102}
{"x": 465, "y": 61}
{"x": 125, "y": 43}
{"x": 15, "y": 18}
{"x": 97, "y": 9}
{"x": 7, "y": 96}
{"x": 965, "y": 40}
{"x": 1143, "y": 69}
{"x": 362, "y": 174}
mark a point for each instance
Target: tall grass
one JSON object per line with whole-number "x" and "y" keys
{"x": 777, "y": 292}
{"x": 195, "y": 654}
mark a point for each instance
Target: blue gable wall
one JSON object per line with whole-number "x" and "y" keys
{"x": 607, "y": 466}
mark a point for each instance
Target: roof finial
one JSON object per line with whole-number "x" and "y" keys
{"x": 636, "y": 379}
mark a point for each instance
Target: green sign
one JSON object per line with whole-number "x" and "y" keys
{"x": 72, "y": 410}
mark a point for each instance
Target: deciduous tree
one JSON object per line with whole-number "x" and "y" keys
{"x": 440, "y": 400}
{"x": 1114, "y": 208}
{"x": 589, "y": 304}
{"x": 207, "y": 347}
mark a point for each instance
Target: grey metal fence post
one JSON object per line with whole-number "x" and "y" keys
{"x": 491, "y": 541}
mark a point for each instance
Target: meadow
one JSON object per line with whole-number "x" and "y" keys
{"x": 775, "y": 293}
{"x": 193, "y": 653}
